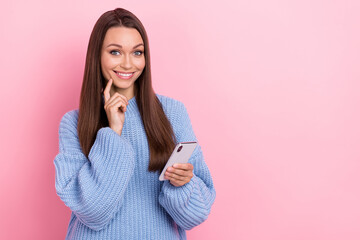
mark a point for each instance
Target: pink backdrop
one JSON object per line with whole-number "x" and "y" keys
{"x": 272, "y": 89}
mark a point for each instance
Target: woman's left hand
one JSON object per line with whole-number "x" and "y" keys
{"x": 179, "y": 174}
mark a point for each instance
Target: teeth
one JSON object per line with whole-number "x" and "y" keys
{"x": 125, "y": 75}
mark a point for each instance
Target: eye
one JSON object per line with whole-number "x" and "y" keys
{"x": 114, "y": 52}
{"x": 138, "y": 53}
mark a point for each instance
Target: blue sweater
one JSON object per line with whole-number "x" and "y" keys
{"x": 111, "y": 193}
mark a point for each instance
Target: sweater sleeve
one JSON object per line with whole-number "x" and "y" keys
{"x": 92, "y": 187}
{"x": 190, "y": 204}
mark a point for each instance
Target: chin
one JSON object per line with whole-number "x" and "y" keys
{"x": 122, "y": 85}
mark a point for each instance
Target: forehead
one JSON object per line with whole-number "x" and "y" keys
{"x": 126, "y": 37}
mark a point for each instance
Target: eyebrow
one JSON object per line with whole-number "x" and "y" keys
{"x": 119, "y": 46}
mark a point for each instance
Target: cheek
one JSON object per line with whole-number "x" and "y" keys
{"x": 107, "y": 65}
{"x": 140, "y": 63}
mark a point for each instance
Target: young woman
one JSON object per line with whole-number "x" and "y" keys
{"x": 112, "y": 149}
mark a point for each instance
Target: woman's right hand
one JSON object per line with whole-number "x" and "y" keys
{"x": 115, "y": 108}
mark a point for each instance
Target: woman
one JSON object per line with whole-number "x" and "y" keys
{"x": 114, "y": 146}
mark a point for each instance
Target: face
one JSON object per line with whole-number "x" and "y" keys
{"x": 122, "y": 59}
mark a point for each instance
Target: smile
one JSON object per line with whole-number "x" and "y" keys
{"x": 124, "y": 75}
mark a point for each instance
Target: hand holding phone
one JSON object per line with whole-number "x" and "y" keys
{"x": 181, "y": 154}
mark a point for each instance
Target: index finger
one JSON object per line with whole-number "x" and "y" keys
{"x": 107, "y": 90}
{"x": 183, "y": 166}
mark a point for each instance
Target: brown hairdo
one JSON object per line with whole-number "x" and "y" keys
{"x": 92, "y": 115}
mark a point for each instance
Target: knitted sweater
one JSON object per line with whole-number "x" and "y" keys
{"x": 111, "y": 193}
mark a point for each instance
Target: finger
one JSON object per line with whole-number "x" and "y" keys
{"x": 117, "y": 95}
{"x": 173, "y": 176}
{"x": 118, "y": 104}
{"x": 112, "y": 100}
{"x": 107, "y": 90}
{"x": 183, "y": 166}
{"x": 177, "y": 183}
{"x": 122, "y": 97}
{"x": 179, "y": 172}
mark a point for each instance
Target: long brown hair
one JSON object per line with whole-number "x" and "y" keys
{"x": 92, "y": 115}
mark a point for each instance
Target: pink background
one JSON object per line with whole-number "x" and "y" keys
{"x": 272, "y": 89}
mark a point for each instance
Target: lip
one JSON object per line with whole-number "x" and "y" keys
{"x": 124, "y": 77}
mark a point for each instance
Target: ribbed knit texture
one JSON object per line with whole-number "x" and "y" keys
{"x": 111, "y": 193}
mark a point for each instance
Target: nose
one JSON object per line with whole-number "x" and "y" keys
{"x": 125, "y": 62}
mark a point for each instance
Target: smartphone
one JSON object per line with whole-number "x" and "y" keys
{"x": 181, "y": 154}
